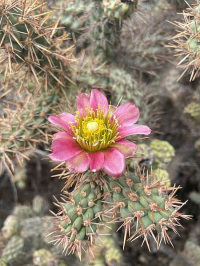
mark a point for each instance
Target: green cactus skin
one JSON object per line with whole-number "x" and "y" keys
{"x": 193, "y": 109}
{"x": 22, "y": 212}
{"x": 23, "y": 128}
{"x": 89, "y": 25}
{"x": 162, "y": 175}
{"x": 14, "y": 250}
{"x": 27, "y": 40}
{"x": 186, "y": 44}
{"x": 10, "y": 227}
{"x": 116, "y": 9}
{"x": 134, "y": 200}
{"x": 163, "y": 152}
{"x": 146, "y": 204}
{"x": 40, "y": 206}
{"x": 157, "y": 154}
{"x": 113, "y": 255}
{"x": 79, "y": 218}
{"x": 43, "y": 257}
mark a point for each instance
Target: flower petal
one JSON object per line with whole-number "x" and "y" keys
{"x": 64, "y": 148}
{"x": 82, "y": 102}
{"x": 98, "y": 100}
{"x": 126, "y": 147}
{"x": 96, "y": 160}
{"x": 63, "y": 120}
{"x": 114, "y": 162}
{"x": 127, "y": 114}
{"x": 78, "y": 163}
{"x": 125, "y": 131}
{"x": 61, "y": 135}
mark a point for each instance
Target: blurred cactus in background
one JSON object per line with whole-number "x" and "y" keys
{"x": 186, "y": 42}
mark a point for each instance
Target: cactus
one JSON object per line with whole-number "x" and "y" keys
{"x": 22, "y": 212}
{"x": 134, "y": 200}
{"x": 43, "y": 257}
{"x": 79, "y": 218}
{"x": 40, "y": 206}
{"x": 23, "y": 128}
{"x": 88, "y": 21}
{"x": 186, "y": 43}
{"x": 140, "y": 45}
{"x": 90, "y": 73}
{"x": 10, "y": 227}
{"x": 191, "y": 254}
{"x": 27, "y": 40}
{"x": 16, "y": 251}
{"x": 117, "y": 9}
{"x": 162, "y": 175}
{"x": 193, "y": 109}
{"x": 163, "y": 152}
{"x": 158, "y": 154}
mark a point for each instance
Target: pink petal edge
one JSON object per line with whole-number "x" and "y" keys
{"x": 61, "y": 135}
{"x": 64, "y": 149}
{"x": 98, "y": 100}
{"x": 125, "y": 131}
{"x": 127, "y": 114}
{"x": 82, "y": 102}
{"x": 63, "y": 120}
{"x": 78, "y": 163}
{"x": 96, "y": 160}
{"x": 114, "y": 162}
{"x": 126, "y": 147}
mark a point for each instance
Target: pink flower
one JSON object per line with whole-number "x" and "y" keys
{"x": 95, "y": 137}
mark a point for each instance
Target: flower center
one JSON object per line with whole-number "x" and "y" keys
{"x": 96, "y": 130}
{"x": 92, "y": 126}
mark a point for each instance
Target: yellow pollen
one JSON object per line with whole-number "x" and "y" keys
{"x": 92, "y": 126}
{"x": 96, "y": 130}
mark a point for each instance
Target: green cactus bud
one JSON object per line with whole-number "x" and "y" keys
{"x": 193, "y": 109}
{"x": 10, "y": 227}
{"x": 42, "y": 257}
{"x": 162, "y": 175}
{"x": 39, "y": 205}
{"x": 163, "y": 152}
{"x": 116, "y": 9}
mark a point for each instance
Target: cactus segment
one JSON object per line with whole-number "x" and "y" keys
{"x": 135, "y": 200}
{"x": 27, "y": 38}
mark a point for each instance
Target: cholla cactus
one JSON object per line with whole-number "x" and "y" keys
{"x": 158, "y": 154}
{"x": 23, "y": 127}
{"x": 134, "y": 199}
{"x": 27, "y": 38}
{"x": 186, "y": 42}
{"x": 117, "y": 9}
{"x": 193, "y": 110}
{"x": 95, "y": 20}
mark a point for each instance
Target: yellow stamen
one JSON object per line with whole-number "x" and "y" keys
{"x": 96, "y": 131}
